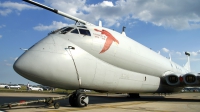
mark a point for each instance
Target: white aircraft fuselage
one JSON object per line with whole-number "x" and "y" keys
{"x": 97, "y": 58}
{"x": 126, "y": 66}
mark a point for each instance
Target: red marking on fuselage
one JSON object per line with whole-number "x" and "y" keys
{"x": 181, "y": 79}
{"x": 109, "y": 40}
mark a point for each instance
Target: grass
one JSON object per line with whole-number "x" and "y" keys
{"x": 24, "y": 89}
{"x": 57, "y": 90}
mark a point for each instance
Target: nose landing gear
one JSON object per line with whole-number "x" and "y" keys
{"x": 78, "y": 99}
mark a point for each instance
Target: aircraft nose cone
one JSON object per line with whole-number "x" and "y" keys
{"x": 20, "y": 66}
{"x": 30, "y": 66}
{"x": 47, "y": 68}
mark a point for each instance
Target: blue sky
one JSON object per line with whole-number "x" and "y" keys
{"x": 168, "y": 27}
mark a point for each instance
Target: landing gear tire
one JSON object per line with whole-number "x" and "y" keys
{"x": 56, "y": 105}
{"x": 78, "y": 100}
{"x": 81, "y": 100}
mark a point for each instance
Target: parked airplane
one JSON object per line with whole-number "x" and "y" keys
{"x": 86, "y": 56}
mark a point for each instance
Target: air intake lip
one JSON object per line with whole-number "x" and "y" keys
{"x": 172, "y": 80}
{"x": 190, "y": 79}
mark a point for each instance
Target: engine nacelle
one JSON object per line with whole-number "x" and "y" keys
{"x": 198, "y": 77}
{"x": 172, "y": 80}
{"x": 191, "y": 79}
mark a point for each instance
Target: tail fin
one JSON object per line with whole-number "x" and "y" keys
{"x": 187, "y": 65}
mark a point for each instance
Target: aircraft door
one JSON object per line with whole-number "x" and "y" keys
{"x": 84, "y": 65}
{"x": 86, "y": 71}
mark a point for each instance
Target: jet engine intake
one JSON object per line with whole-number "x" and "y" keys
{"x": 172, "y": 80}
{"x": 190, "y": 79}
{"x": 198, "y": 77}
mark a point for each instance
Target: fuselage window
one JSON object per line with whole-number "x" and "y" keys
{"x": 75, "y": 31}
{"x": 85, "y": 32}
{"x": 66, "y": 30}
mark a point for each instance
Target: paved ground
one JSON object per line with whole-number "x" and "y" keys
{"x": 183, "y": 102}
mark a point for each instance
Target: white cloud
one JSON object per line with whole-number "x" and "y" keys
{"x": 175, "y": 14}
{"x": 69, "y": 6}
{"x": 117, "y": 24}
{"x": 194, "y": 59}
{"x": 167, "y": 14}
{"x": 15, "y": 5}
{"x": 5, "y": 12}
{"x": 53, "y": 26}
{"x": 8, "y": 64}
{"x": 9, "y": 6}
{"x": 107, "y": 4}
{"x": 104, "y": 11}
{"x": 179, "y": 53}
{"x": 198, "y": 52}
{"x": 13, "y": 59}
{"x": 194, "y": 53}
{"x": 10, "y": 61}
{"x": 1, "y": 26}
{"x": 165, "y": 50}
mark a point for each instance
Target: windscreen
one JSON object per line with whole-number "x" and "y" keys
{"x": 85, "y": 32}
{"x": 66, "y": 30}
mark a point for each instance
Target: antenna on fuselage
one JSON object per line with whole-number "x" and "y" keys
{"x": 123, "y": 31}
{"x": 187, "y": 65}
{"x": 100, "y": 23}
{"x": 170, "y": 57}
{"x": 58, "y": 12}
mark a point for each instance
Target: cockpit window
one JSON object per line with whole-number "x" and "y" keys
{"x": 75, "y": 31}
{"x": 66, "y": 30}
{"x": 85, "y": 32}
{"x": 55, "y": 31}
